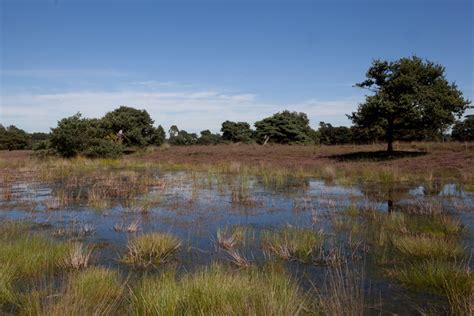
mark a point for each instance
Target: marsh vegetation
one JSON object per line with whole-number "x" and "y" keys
{"x": 140, "y": 237}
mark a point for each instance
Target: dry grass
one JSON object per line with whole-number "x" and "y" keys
{"x": 77, "y": 257}
{"x": 343, "y": 292}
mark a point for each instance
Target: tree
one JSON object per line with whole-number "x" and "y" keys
{"x": 181, "y": 137}
{"x": 75, "y": 135}
{"x": 136, "y": 126}
{"x": 330, "y": 135}
{"x": 410, "y": 95}
{"x": 207, "y": 138}
{"x": 464, "y": 130}
{"x": 237, "y": 132}
{"x": 159, "y": 136}
{"x": 13, "y": 138}
{"x": 284, "y": 128}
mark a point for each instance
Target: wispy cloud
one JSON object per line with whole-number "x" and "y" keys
{"x": 58, "y": 73}
{"x": 193, "y": 110}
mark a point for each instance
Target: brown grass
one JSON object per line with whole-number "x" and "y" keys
{"x": 442, "y": 160}
{"x": 452, "y": 160}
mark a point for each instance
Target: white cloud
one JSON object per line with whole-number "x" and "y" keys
{"x": 189, "y": 110}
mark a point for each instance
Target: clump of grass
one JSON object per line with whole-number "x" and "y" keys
{"x": 96, "y": 291}
{"x": 291, "y": 243}
{"x": 215, "y": 291}
{"x": 151, "y": 249}
{"x": 436, "y": 225}
{"x": 426, "y": 246}
{"x": 77, "y": 257}
{"x": 32, "y": 255}
{"x": 450, "y": 279}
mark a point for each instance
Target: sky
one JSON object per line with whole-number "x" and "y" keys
{"x": 198, "y": 63}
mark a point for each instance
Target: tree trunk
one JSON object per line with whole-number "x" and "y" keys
{"x": 390, "y": 136}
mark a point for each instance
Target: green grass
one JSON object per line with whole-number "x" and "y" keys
{"x": 450, "y": 279}
{"x": 32, "y": 255}
{"x": 96, "y": 291}
{"x": 151, "y": 249}
{"x": 435, "y": 225}
{"x": 291, "y": 243}
{"x": 215, "y": 291}
{"x": 425, "y": 246}
{"x": 7, "y": 277}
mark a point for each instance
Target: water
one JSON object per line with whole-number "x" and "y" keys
{"x": 195, "y": 206}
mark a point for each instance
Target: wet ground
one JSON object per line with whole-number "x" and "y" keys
{"x": 195, "y": 206}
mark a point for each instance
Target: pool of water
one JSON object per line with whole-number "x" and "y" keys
{"x": 194, "y": 207}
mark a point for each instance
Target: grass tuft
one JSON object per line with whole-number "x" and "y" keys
{"x": 291, "y": 243}
{"x": 421, "y": 246}
{"x": 151, "y": 249}
{"x": 450, "y": 279}
{"x": 77, "y": 257}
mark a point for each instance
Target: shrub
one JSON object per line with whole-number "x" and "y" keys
{"x": 102, "y": 148}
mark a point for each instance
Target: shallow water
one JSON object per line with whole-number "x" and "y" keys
{"x": 195, "y": 206}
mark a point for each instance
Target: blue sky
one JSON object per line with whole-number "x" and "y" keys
{"x": 198, "y": 63}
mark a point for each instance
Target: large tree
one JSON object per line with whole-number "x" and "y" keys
{"x": 285, "y": 128}
{"x": 410, "y": 96}
{"x": 237, "y": 132}
{"x": 136, "y": 126}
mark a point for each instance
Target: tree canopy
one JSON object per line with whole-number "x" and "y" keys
{"x": 136, "y": 126}
{"x": 410, "y": 96}
{"x": 107, "y": 136}
{"x": 285, "y": 128}
{"x": 237, "y": 132}
{"x": 464, "y": 130}
{"x": 13, "y": 138}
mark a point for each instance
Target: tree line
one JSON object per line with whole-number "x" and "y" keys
{"x": 409, "y": 99}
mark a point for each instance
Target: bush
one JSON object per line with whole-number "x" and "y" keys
{"x": 13, "y": 138}
{"x": 102, "y": 148}
{"x": 285, "y": 128}
{"x": 237, "y": 132}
